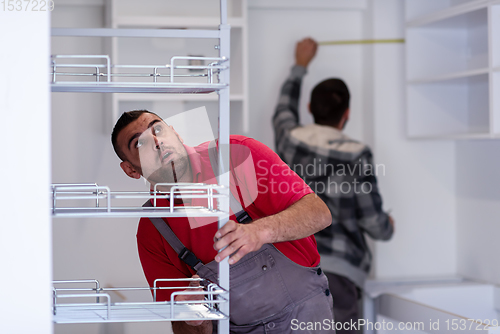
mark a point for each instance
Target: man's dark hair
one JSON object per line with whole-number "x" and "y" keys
{"x": 329, "y": 101}
{"x": 125, "y": 119}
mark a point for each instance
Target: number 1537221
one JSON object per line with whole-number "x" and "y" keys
{"x": 27, "y": 5}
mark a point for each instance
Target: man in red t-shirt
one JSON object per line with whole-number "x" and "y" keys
{"x": 286, "y": 289}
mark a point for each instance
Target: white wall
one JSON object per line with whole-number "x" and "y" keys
{"x": 478, "y": 209}
{"x": 274, "y": 28}
{"x": 25, "y": 229}
{"x": 419, "y": 184}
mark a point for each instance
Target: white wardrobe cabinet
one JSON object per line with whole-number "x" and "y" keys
{"x": 452, "y": 67}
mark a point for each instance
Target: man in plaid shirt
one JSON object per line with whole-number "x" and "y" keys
{"x": 341, "y": 172}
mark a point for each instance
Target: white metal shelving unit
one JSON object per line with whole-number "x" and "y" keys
{"x": 98, "y": 73}
{"x": 453, "y": 51}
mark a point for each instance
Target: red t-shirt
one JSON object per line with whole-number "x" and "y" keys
{"x": 267, "y": 186}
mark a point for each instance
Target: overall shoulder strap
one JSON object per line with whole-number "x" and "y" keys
{"x": 184, "y": 254}
{"x": 241, "y": 215}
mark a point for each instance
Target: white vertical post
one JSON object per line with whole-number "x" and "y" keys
{"x": 244, "y": 32}
{"x": 369, "y": 312}
{"x": 25, "y": 227}
{"x": 224, "y": 51}
{"x": 494, "y": 59}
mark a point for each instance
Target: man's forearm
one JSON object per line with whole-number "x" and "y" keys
{"x": 181, "y": 327}
{"x": 305, "y": 217}
{"x": 302, "y": 219}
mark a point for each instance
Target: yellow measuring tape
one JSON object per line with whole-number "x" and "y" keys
{"x": 363, "y": 41}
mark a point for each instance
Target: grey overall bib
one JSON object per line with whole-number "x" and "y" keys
{"x": 269, "y": 293}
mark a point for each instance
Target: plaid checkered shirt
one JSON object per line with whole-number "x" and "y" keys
{"x": 341, "y": 172}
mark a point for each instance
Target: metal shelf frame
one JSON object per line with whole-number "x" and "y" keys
{"x": 93, "y": 69}
{"x": 220, "y": 67}
{"x": 103, "y": 310}
{"x": 92, "y": 200}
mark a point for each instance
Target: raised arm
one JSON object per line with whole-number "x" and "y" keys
{"x": 303, "y": 218}
{"x": 286, "y": 115}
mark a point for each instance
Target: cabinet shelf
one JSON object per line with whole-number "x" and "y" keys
{"x": 174, "y": 22}
{"x": 151, "y": 33}
{"x": 457, "y": 136}
{"x": 135, "y": 212}
{"x": 450, "y": 76}
{"x": 115, "y": 87}
{"x": 95, "y": 305}
{"x": 427, "y": 11}
{"x": 449, "y": 20}
{"x": 167, "y": 98}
